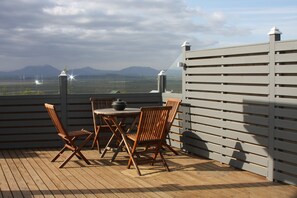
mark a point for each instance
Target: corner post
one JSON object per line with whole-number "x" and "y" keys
{"x": 63, "y": 97}
{"x": 274, "y": 35}
{"x": 185, "y": 47}
{"x": 186, "y": 117}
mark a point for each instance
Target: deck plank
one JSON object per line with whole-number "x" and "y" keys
{"x": 4, "y": 186}
{"x": 144, "y": 188}
{"x": 45, "y": 184}
{"x": 31, "y": 177}
{"x": 8, "y": 172}
{"x": 29, "y": 173}
{"x": 25, "y": 178}
{"x": 77, "y": 186}
{"x": 85, "y": 181}
{"x": 68, "y": 188}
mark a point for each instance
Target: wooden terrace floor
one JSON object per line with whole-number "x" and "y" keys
{"x": 29, "y": 173}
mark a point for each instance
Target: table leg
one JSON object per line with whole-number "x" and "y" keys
{"x": 107, "y": 146}
{"x": 124, "y": 139}
{"x": 122, "y": 142}
{"x": 110, "y": 122}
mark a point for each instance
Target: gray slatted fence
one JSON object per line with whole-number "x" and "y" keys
{"x": 24, "y": 122}
{"x": 243, "y": 107}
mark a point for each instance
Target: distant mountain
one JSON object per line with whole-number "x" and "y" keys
{"x": 138, "y": 71}
{"x": 88, "y": 71}
{"x": 32, "y": 71}
{"x": 45, "y": 71}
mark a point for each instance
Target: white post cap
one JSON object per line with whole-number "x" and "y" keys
{"x": 162, "y": 72}
{"x": 185, "y": 44}
{"x": 274, "y": 30}
{"x": 63, "y": 73}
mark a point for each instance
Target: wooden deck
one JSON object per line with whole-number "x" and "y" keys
{"x": 29, "y": 173}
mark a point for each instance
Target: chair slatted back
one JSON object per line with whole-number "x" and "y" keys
{"x": 68, "y": 137}
{"x": 57, "y": 122}
{"x": 174, "y": 103}
{"x": 152, "y": 123}
{"x": 100, "y": 103}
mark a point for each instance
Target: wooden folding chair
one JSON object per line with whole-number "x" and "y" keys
{"x": 174, "y": 103}
{"x": 99, "y": 124}
{"x": 68, "y": 138}
{"x": 150, "y": 136}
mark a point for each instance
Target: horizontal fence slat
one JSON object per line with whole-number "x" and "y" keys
{"x": 261, "y": 170}
{"x": 246, "y": 137}
{"x": 286, "y": 91}
{"x": 243, "y": 156}
{"x": 285, "y": 167}
{"x": 286, "y": 45}
{"x": 252, "y": 148}
{"x": 285, "y": 58}
{"x": 286, "y": 178}
{"x": 248, "y": 99}
{"x": 285, "y": 156}
{"x": 247, "y": 49}
{"x": 286, "y": 69}
{"x": 228, "y": 88}
{"x": 286, "y": 124}
{"x": 286, "y": 135}
{"x": 239, "y": 70}
{"x": 264, "y": 59}
{"x": 287, "y": 146}
{"x": 286, "y": 112}
{"x": 228, "y": 79}
{"x": 286, "y": 80}
{"x": 200, "y": 152}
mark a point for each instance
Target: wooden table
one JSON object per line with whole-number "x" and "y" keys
{"x": 115, "y": 120}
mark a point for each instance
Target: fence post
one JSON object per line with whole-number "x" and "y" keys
{"x": 162, "y": 82}
{"x": 186, "y": 117}
{"x": 185, "y": 47}
{"x": 63, "y": 97}
{"x": 274, "y": 35}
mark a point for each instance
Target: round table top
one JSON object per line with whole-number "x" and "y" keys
{"x": 112, "y": 111}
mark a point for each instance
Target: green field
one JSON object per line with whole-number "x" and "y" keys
{"x": 98, "y": 84}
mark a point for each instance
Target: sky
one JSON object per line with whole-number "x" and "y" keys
{"x": 115, "y": 34}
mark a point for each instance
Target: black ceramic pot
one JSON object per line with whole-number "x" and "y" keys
{"x": 119, "y": 105}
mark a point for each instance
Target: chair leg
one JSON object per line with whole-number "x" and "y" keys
{"x": 83, "y": 157}
{"x": 170, "y": 148}
{"x": 78, "y": 156}
{"x": 81, "y": 146}
{"x": 132, "y": 160}
{"x": 59, "y": 154}
{"x": 76, "y": 151}
{"x": 158, "y": 148}
{"x": 164, "y": 162}
{"x": 96, "y": 140}
{"x": 131, "y": 154}
{"x": 67, "y": 159}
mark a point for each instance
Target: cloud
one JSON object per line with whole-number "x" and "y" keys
{"x": 102, "y": 34}
{"x": 63, "y": 11}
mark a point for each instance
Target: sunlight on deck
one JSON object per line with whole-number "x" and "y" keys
{"x": 29, "y": 173}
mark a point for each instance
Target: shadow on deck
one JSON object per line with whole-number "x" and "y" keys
{"x": 28, "y": 173}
